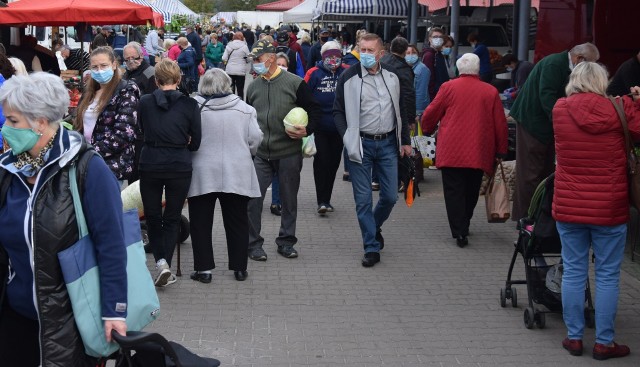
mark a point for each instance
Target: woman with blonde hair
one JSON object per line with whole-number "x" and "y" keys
{"x": 107, "y": 113}
{"x": 591, "y": 201}
{"x": 235, "y": 56}
{"x": 170, "y": 122}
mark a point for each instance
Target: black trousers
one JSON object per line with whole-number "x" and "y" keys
{"x": 236, "y": 227}
{"x": 461, "y": 188}
{"x": 326, "y": 163}
{"x": 135, "y": 175}
{"x": 19, "y": 344}
{"x": 163, "y": 227}
{"x": 237, "y": 84}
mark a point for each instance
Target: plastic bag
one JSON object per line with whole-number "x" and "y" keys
{"x": 309, "y": 146}
{"x": 426, "y": 145}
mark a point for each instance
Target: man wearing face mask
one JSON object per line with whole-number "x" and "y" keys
{"x": 535, "y": 150}
{"x": 367, "y": 114}
{"x": 315, "y": 51}
{"x": 395, "y": 59}
{"x": 141, "y": 72}
{"x": 322, "y": 79}
{"x": 433, "y": 58}
{"x": 273, "y": 94}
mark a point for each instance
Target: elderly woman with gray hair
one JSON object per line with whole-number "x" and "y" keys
{"x": 472, "y": 135}
{"x": 38, "y": 220}
{"x": 591, "y": 201}
{"x": 223, "y": 170}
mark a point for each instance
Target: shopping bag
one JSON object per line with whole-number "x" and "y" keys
{"x": 82, "y": 278}
{"x": 426, "y": 145}
{"x": 407, "y": 177}
{"x": 497, "y": 198}
{"x": 309, "y": 146}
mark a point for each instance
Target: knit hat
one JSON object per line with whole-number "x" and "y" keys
{"x": 262, "y": 47}
{"x": 331, "y": 48}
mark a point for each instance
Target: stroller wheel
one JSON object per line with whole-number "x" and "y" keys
{"x": 541, "y": 320}
{"x": 184, "y": 229}
{"x": 503, "y": 298}
{"x": 590, "y": 317}
{"x": 529, "y": 318}
{"x": 514, "y": 298}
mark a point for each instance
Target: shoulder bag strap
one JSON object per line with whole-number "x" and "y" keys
{"x": 205, "y": 103}
{"x": 77, "y": 203}
{"x": 623, "y": 120}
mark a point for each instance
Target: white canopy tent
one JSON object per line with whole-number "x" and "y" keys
{"x": 306, "y": 12}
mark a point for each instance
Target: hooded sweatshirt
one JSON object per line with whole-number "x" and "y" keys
{"x": 170, "y": 123}
{"x": 591, "y": 184}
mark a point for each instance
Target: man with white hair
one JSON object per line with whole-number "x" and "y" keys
{"x": 535, "y": 149}
{"x": 472, "y": 135}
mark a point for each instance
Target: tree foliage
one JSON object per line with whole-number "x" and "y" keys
{"x": 200, "y": 6}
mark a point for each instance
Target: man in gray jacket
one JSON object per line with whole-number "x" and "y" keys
{"x": 367, "y": 113}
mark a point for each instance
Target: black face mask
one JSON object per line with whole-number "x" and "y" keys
{"x": 324, "y": 39}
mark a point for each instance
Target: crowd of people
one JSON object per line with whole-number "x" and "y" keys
{"x": 216, "y": 142}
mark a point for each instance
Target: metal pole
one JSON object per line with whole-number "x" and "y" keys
{"x": 413, "y": 22}
{"x": 523, "y": 30}
{"x": 515, "y": 26}
{"x": 387, "y": 30}
{"x": 453, "y": 32}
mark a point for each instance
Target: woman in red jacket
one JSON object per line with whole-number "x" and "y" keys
{"x": 472, "y": 134}
{"x": 590, "y": 201}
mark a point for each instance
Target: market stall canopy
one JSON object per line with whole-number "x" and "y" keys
{"x": 159, "y": 15}
{"x": 304, "y": 13}
{"x": 282, "y": 5}
{"x": 173, "y": 7}
{"x": 441, "y": 4}
{"x": 227, "y": 17}
{"x": 70, "y": 12}
{"x": 345, "y": 10}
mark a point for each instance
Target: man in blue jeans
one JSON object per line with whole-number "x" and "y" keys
{"x": 367, "y": 114}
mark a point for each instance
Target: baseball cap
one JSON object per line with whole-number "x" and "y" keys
{"x": 285, "y": 27}
{"x": 262, "y": 47}
{"x": 324, "y": 30}
{"x": 107, "y": 28}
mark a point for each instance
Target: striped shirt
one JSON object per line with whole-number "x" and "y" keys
{"x": 77, "y": 60}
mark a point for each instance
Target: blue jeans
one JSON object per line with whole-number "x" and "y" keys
{"x": 383, "y": 156}
{"x": 275, "y": 190}
{"x": 608, "y": 247}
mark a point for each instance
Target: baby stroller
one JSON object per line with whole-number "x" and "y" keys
{"x": 539, "y": 241}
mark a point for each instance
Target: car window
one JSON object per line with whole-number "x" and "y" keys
{"x": 490, "y": 36}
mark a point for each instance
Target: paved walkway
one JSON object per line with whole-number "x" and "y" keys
{"x": 428, "y": 303}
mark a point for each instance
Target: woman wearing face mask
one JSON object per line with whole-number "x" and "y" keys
{"x": 486, "y": 72}
{"x": 421, "y": 80}
{"x": 37, "y": 325}
{"x": 107, "y": 113}
{"x": 322, "y": 79}
{"x": 435, "y": 61}
{"x": 282, "y": 60}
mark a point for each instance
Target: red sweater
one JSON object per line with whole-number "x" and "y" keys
{"x": 473, "y": 127}
{"x": 591, "y": 184}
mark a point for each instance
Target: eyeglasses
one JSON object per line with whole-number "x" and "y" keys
{"x": 132, "y": 59}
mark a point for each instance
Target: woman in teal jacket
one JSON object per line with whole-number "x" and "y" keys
{"x": 213, "y": 53}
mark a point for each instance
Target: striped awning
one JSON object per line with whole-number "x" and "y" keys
{"x": 370, "y": 8}
{"x": 166, "y": 16}
{"x": 172, "y": 7}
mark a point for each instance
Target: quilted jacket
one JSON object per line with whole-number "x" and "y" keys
{"x": 591, "y": 171}
{"x": 115, "y": 131}
{"x": 473, "y": 128}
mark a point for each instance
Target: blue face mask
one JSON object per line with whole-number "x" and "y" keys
{"x": 20, "y": 140}
{"x": 368, "y": 60}
{"x": 260, "y": 68}
{"x": 411, "y": 59}
{"x": 446, "y": 51}
{"x": 102, "y": 76}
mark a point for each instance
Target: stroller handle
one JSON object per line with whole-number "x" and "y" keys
{"x": 135, "y": 338}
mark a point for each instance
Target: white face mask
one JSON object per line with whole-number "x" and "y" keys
{"x": 437, "y": 42}
{"x": 283, "y": 67}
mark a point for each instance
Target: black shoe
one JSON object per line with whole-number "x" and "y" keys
{"x": 375, "y": 186}
{"x": 202, "y": 278}
{"x": 380, "y": 239}
{"x": 288, "y": 251}
{"x": 322, "y": 209}
{"x": 276, "y": 209}
{"x": 257, "y": 254}
{"x": 346, "y": 177}
{"x": 240, "y": 275}
{"x": 370, "y": 259}
{"x": 462, "y": 241}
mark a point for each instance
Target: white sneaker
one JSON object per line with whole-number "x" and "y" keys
{"x": 172, "y": 279}
{"x": 163, "y": 274}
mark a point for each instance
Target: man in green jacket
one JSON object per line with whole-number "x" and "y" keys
{"x": 535, "y": 150}
{"x": 273, "y": 94}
